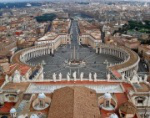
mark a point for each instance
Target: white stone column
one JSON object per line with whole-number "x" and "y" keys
{"x": 96, "y": 50}
{"x": 100, "y": 50}
{"x": 52, "y": 51}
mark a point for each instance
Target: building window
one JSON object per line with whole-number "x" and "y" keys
{"x": 107, "y": 103}
{"x": 140, "y": 100}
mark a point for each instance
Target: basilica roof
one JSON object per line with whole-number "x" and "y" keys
{"x": 79, "y": 102}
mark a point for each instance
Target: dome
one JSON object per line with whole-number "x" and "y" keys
{"x": 107, "y": 96}
{"x": 34, "y": 116}
{"x": 113, "y": 116}
{"x": 13, "y": 110}
{"x": 41, "y": 96}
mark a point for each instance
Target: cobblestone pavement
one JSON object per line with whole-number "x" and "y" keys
{"x": 93, "y": 62}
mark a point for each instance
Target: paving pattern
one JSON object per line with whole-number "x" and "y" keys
{"x": 94, "y": 62}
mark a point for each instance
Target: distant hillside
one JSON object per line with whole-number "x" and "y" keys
{"x": 17, "y": 5}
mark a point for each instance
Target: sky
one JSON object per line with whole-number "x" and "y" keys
{"x": 50, "y": 0}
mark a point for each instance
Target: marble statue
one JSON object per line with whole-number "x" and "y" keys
{"x": 69, "y": 63}
{"x": 129, "y": 79}
{"x": 134, "y": 78}
{"x": 60, "y": 76}
{"x": 123, "y": 76}
{"x": 42, "y": 76}
{"x": 23, "y": 79}
{"x": 68, "y": 76}
{"x": 75, "y": 75}
{"x": 145, "y": 78}
{"x": 54, "y": 77}
{"x": 6, "y": 78}
{"x": 10, "y": 78}
{"x": 140, "y": 79}
{"x": 110, "y": 64}
{"x": 108, "y": 76}
{"x": 81, "y": 76}
{"x": 95, "y": 77}
{"x": 16, "y": 77}
{"x": 90, "y": 76}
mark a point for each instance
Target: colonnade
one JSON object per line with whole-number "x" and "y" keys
{"x": 36, "y": 52}
{"x": 129, "y": 70}
{"x": 128, "y": 65}
{"x": 118, "y": 52}
{"x": 44, "y": 48}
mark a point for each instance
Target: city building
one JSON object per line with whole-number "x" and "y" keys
{"x": 75, "y": 65}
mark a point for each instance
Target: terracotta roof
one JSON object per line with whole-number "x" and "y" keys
{"x": 3, "y": 28}
{"x": 116, "y": 74}
{"x": 128, "y": 108}
{"x": 2, "y": 79}
{"x": 74, "y": 102}
{"x": 144, "y": 88}
{"x": 7, "y": 106}
{"x": 22, "y": 68}
{"x": 87, "y": 28}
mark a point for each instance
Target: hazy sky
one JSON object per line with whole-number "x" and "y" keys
{"x": 53, "y": 0}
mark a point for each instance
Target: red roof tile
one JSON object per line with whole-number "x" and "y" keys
{"x": 24, "y": 69}
{"x": 7, "y": 106}
{"x": 118, "y": 75}
{"x": 2, "y": 81}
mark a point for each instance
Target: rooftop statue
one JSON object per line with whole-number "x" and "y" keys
{"x": 68, "y": 76}
{"x": 54, "y": 77}
{"x": 95, "y": 77}
{"x": 75, "y": 75}
{"x": 60, "y": 76}
{"x": 90, "y": 77}
{"x": 81, "y": 76}
{"x": 16, "y": 77}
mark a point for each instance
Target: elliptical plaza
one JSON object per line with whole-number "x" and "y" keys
{"x": 76, "y": 66}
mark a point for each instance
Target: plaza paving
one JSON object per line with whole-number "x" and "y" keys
{"x": 94, "y": 62}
